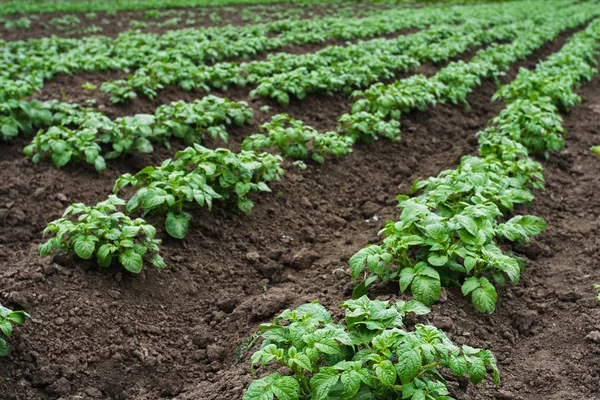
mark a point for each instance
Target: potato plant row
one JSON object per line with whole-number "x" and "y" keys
{"x": 449, "y": 234}
{"x": 33, "y": 7}
{"x": 190, "y": 122}
{"x": 330, "y": 69}
{"x": 36, "y": 60}
{"x": 77, "y": 133}
{"x": 294, "y": 139}
{"x": 26, "y": 65}
{"x": 452, "y": 224}
{"x": 377, "y": 110}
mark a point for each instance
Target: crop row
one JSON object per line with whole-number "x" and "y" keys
{"x": 452, "y": 225}
{"x": 37, "y": 6}
{"x": 333, "y": 68}
{"x": 39, "y": 59}
{"x": 178, "y": 184}
{"x": 92, "y": 129}
{"x": 377, "y": 110}
{"x": 187, "y": 121}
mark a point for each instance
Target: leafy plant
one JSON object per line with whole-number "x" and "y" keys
{"x": 596, "y": 149}
{"x": 296, "y": 140}
{"x": 598, "y": 295}
{"x": 367, "y": 356}
{"x": 103, "y": 233}
{"x": 65, "y": 145}
{"x": 199, "y": 175}
{"x": 7, "y": 318}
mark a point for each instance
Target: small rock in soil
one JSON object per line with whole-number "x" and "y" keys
{"x": 593, "y": 336}
{"x": 214, "y": 352}
{"x": 62, "y": 387}
{"x": 93, "y": 392}
{"x": 304, "y": 259}
{"x": 444, "y": 323}
{"x": 253, "y": 256}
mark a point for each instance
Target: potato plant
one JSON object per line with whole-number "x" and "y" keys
{"x": 64, "y": 145}
{"x": 104, "y": 233}
{"x": 199, "y": 175}
{"x": 369, "y": 355}
{"x": 7, "y": 319}
{"x": 295, "y": 140}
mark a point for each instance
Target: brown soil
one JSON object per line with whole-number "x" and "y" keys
{"x": 113, "y": 25}
{"x": 103, "y": 333}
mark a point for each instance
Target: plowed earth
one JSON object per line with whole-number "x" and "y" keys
{"x": 106, "y": 334}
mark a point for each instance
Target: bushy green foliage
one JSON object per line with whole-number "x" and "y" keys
{"x": 199, "y": 175}
{"x": 104, "y": 233}
{"x": 296, "y": 140}
{"x": 367, "y": 356}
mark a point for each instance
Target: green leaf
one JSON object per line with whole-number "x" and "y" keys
{"x": 409, "y": 365}
{"x": 360, "y": 290}
{"x": 286, "y": 388}
{"x": 437, "y": 259}
{"x": 386, "y": 372}
{"x": 468, "y": 223}
{"x": 6, "y": 328}
{"x": 533, "y": 225}
{"x": 485, "y": 296}
{"x": 469, "y": 285}
{"x": 458, "y": 365}
{"x": 476, "y": 370}
{"x": 322, "y": 382}
{"x": 4, "y": 348}
{"x": 177, "y": 225}
{"x": 351, "y": 381}
{"x": 84, "y": 246}
{"x": 357, "y": 264}
{"x": 158, "y": 261}
{"x": 406, "y": 277}
{"x": 131, "y": 261}
{"x": 416, "y": 307}
{"x": 327, "y": 346}
{"x": 100, "y": 164}
{"x": 61, "y": 159}
{"x": 426, "y": 289}
{"x": 261, "y": 389}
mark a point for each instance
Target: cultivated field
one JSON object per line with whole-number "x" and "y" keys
{"x": 299, "y": 200}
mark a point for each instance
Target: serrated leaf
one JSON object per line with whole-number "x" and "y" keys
{"x": 386, "y": 372}
{"x": 409, "y": 365}
{"x": 476, "y": 370}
